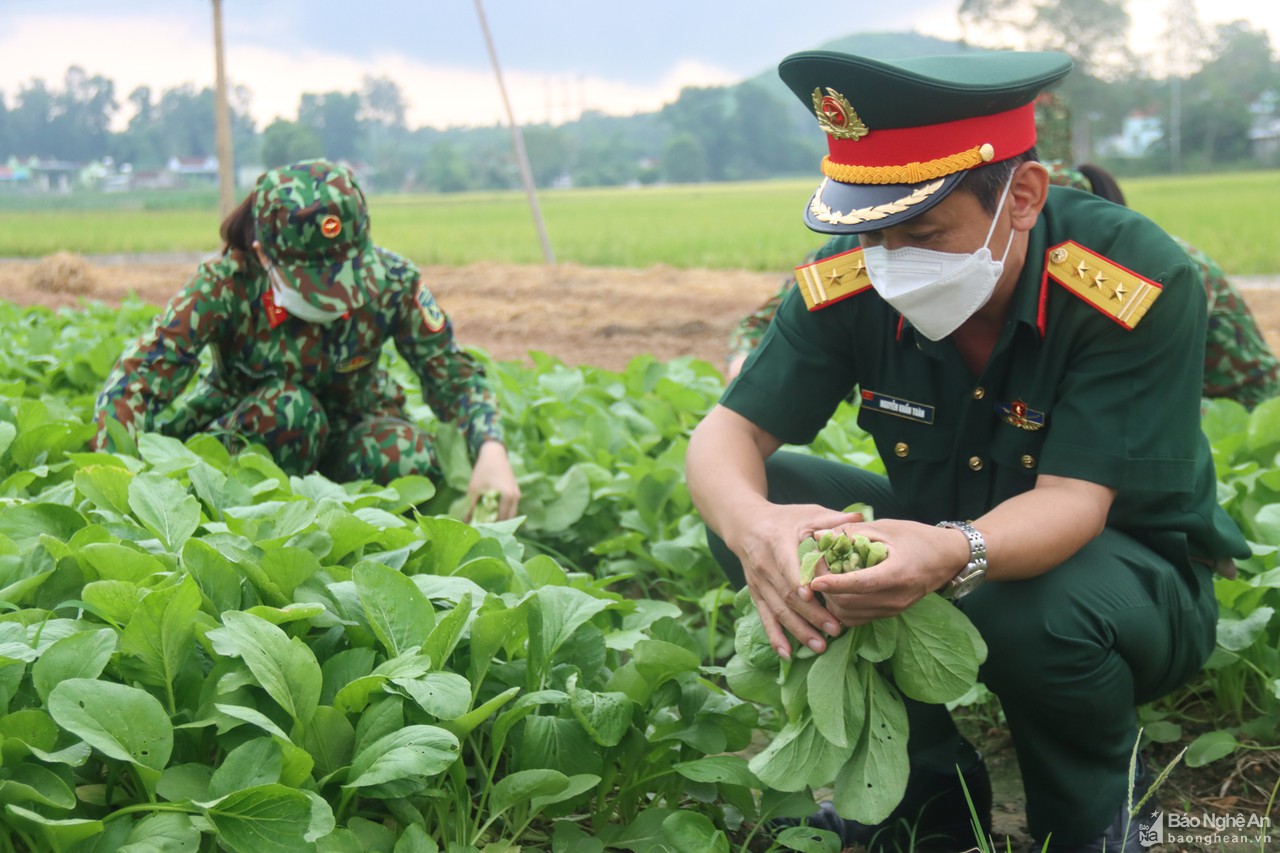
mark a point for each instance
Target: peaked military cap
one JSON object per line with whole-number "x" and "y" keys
{"x": 902, "y": 133}
{"x": 313, "y": 226}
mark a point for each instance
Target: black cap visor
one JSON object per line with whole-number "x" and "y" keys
{"x": 839, "y": 208}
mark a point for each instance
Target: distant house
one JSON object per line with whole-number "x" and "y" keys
{"x": 151, "y": 179}
{"x": 1137, "y": 134}
{"x": 194, "y": 169}
{"x": 37, "y": 175}
{"x": 93, "y": 173}
{"x": 1264, "y": 131}
{"x": 53, "y": 176}
{"x": 13, "y": 175}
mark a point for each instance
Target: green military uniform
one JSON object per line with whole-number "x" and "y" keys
{"x": 1238, "y": 363}
{"x": 1138, "y": 615}
{"x": 1095, "y": 376}
{"x": 313, "y": 392}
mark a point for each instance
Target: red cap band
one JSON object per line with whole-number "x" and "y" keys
{"x": 1009, "y": 133}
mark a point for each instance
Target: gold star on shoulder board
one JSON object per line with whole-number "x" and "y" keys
{"x": 1119, "y": 292}
{"x": 832, "y": 279}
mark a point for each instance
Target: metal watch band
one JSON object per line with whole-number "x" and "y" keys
{"x": 976, "y": 568}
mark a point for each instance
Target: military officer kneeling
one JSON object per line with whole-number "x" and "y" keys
{"x": 1028, "y": 360}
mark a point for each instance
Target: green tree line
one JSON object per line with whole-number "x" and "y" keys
{"x": 1210, "y": 109}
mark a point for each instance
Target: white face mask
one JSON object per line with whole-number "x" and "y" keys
{"x": 937, "y": 291}
{"x": 295, "y": 303}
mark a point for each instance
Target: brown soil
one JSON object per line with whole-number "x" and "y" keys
{"x": 604, "y": 317}
{"x": 582, "y": 315}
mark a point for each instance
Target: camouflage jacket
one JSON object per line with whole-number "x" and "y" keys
{"x": 226, "y": 309}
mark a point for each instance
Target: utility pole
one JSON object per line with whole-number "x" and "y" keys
{"x": 222, "y": 120}
{"x": 1184, "y": 41}
{"x": 522, "y": 158}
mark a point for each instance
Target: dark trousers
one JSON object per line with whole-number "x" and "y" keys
{"x": 1071, "y": 653}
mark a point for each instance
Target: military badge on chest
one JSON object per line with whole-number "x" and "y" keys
{"x": 1019, "y": 414}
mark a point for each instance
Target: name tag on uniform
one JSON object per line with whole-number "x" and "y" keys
{"x": 876, "y": 402}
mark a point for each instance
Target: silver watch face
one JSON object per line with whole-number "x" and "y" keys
{"x": 968, "y": 583}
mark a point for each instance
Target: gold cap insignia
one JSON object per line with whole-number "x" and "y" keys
{"x": 331, "y": 226}
{"x": 836, "y": 116}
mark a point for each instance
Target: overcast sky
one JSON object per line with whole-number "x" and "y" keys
{"x": 558, "y": 56}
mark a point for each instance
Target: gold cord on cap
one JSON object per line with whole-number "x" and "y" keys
{"x": 908, "y": 173}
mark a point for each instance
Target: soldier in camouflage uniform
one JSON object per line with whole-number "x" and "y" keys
{"x": 293, "y": 316}
{"x": 1237, "y": 361}
{"x": 1053, "y": 128}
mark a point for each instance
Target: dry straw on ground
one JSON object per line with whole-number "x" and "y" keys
{"x": 63, "y": 272}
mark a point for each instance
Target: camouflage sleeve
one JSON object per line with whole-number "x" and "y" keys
{"x": 155, "y": 368}
{"x": 1053, "y": 127}
{"x": 746, "y": 336}
{"x": 1237, "y": 361}
{"x": 454, "y": 383}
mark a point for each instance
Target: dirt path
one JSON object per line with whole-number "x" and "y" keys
{"x": 583, "y": 315}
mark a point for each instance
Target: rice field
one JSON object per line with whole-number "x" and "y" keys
{"x": 751, "y": 226}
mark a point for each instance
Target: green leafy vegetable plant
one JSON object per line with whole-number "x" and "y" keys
{"x": 843, "y": 723}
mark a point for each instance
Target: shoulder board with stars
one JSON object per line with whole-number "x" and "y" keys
{"x": 832, "y": 279}
{"x": 1121, "y": 294}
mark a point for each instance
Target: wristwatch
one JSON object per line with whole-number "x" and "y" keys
{"x": 975, "y": 572}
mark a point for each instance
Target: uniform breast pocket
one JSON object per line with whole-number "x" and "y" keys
{"x": 1016, "y": 454}
{"x": 915, "y": 454}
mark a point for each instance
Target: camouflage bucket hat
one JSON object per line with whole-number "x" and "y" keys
{"x": 313, "y": 224}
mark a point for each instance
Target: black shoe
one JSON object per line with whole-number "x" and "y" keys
{"x": 933, "y": 814}
{"x": 1124, "y": 833}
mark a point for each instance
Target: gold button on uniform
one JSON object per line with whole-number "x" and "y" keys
{"x": 901, "y": 449}
{"x": 1028, "y": 461}
{"x": 975, "y": 463}
{"x": 979, "y": 392}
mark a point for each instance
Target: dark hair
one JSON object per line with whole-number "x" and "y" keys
{"x": 238, "y": 230}
{"x": 986, "y": 183}
{"x": 1102, "y": 182}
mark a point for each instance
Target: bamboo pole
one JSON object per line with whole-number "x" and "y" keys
{"x": 222, "y": 120}
{"x": 522, "y": 158}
